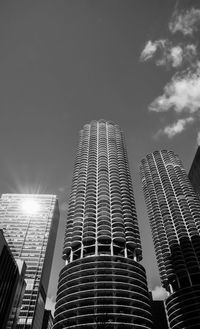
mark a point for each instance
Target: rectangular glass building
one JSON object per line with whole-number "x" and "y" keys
{"x": 29, "y": 223}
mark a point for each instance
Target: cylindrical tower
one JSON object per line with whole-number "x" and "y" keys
{"x": 174, "y": 213}
{"x": 102, "y": 284}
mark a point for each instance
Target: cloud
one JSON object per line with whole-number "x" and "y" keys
{"x": 175, "y": 128}
{"x": 171, "y": 56}
{"x": 150, "y": 49}
{"x": 176, "y": 56}
{"x": 50, "y": 304}
{"x": 182, "y": 94}
{"x": 159, "y": 293}
{"x": 190, "y": 55}
{"x": 191, "y": 50}
{"x": 185, "y": 21}
{"x": 168, "y": 55}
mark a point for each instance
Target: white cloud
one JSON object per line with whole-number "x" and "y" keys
{"x": 182, "y": 94}
{"x": 175, "y": 128}
{"x": 150, "y": 49}
{"x": 50, "y": 304}
{"x": 185, "y": 21}
{"x": 191, "y": 50}
{"x": 167, "y": 55}
{"x": 176, "y": 56}
{"x": 170, "y": 56}
{"x": 190, "y": 55}
{"x": 159, "y": 293}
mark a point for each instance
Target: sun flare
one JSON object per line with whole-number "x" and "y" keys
{"x": 30, "y": 206}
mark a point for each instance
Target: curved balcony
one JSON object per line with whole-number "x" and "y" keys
{"x": 103, "y": 289}
{"x": 183, "y": 308}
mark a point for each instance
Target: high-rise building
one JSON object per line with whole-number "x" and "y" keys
{"x": 11, "y": 280}
{"x": 159, "y": 315}
{"x": 47, "y": 320}
{"x": 30, "y": 222}
{"x": 18, "y": 297}
{"x": 174, "y": 213}
{"x": 194, "y": 173}
{"x": 102, "y": 285}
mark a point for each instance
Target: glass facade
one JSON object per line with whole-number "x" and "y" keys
{"x": 30, "y": 224}
{"x": 174, "y": 213}
{"x": 17, "y": 300}
{"x": 102, "y": 284}
{"x": 47, "y": 320}
{"x": 9, "y": 279}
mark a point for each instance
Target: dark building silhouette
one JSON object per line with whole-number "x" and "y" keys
{"x": 18, "y": 297}
{"x": 102, "y": 285}
{"x": 10, "y": 279}
{"x": 47, "y": 320}
{"x": 174, "y": 213}
{"x": 30, "y": 224}
{"x": 194, "y": 173}
{"x": 159, "y": 314}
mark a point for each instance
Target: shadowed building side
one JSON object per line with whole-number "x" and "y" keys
{"x": 19, "y": 294}
{"x": 159, "y": 315}
{"x": 174, "y": 214}
{"x": 194, "y": 173}
{"x": 11, "y": 284}
{"x": 47, "y": 320}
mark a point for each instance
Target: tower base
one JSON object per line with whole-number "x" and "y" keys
{"x": 103, "y": 292}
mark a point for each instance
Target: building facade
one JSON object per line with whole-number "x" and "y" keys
{"x": 9, "y": 278}
{"x": 159, "y": 314}
{"x": 174, "y": 213}
{"x": 30, "y": 222}
{"x": 18, "y": 297}
{"x": 47, "y": 320}
{"x": 194, "y": 173}
{"x": 102, "y": 285}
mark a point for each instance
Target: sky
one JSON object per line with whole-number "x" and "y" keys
{"x": 64, "y": 63}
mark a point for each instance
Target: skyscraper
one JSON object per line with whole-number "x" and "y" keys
{"x": 11, "y": 285}
{"x": 29, "y": 223}
{"x": 47, "y": 320}
{"x": 174, "y": 213}
{"x": 19, "y": 294}
{"x": 159, "y": 314}
{"x": 102, "y": 284}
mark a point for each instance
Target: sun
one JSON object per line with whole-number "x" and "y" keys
{"x": 30, "y": 206}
